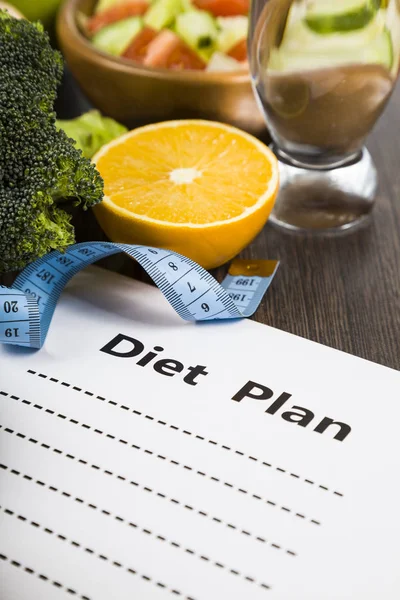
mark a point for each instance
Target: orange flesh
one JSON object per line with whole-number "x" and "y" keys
{"x": 231, "y": 174}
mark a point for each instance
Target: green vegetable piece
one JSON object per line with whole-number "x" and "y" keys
{"x": 115, "y": 38}
{"x": 91, "y": 131}
{"x": 197, "y": 28}
{"x": 378, "y": 50}
{"x": 232, "y": 31}
{"x": 103, "y": 5}
{"x": 340, "y": 16}
{"x": 162, "y": 13}
{"x": 382, "y": 50}
{"x": 187, "y": 5}
{"x": 40, "y": 168}
{"x": 222, "y": 63}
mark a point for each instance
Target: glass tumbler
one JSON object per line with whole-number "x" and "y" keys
{"x": 323, "y": 71}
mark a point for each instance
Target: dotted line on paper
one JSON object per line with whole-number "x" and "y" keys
{"x": 148, "y": 490}
{"x": 76, "y": 544}
{"x": 146, "y": 531}
{"x": 186, "y": 432}
{"x": 163, "y": 458}
{"x": 56, "y": 584}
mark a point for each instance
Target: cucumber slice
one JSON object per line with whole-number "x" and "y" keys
{"x": 393, "y": 24}
{"x": 162, "y": 13}
{"x": 115, "y": 38}
{"x": 221, "y": 62}
{"x": 298, "y": 38}
{"x": 379, "y": 51}
{"x": 328, "y": 8}
{"x": 187, "y": 5}
{"x": 232, "y": 30}
{"x": 103, "y": 5}
{"x": 340, "y": 16}
{"x": 197, "y": 28}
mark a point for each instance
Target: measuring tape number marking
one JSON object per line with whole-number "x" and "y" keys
{"x": 27, "y": 308}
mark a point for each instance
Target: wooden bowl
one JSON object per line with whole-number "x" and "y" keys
{"x": 137, "y": 95}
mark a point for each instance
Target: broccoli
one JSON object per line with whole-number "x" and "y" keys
{"x": 39, "y": 165}
{"x": 91, "y": 131}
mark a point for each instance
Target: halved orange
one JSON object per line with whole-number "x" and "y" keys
{"x": 200, "y": 188}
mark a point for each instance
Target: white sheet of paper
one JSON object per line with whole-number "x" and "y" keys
{"x": 120, "y": 482}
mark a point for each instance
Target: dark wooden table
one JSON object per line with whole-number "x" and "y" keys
{"x": 341, "y": 291}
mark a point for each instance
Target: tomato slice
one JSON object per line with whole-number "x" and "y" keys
{"x": 169, "y": 51}
{"x": 239, "y": 51}
{"x": 224, "y": 8}
{"x": 137, "y": 50}
{"x": 131, "y": 8}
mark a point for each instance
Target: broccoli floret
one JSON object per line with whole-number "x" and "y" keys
{"x": 40, "y": 167}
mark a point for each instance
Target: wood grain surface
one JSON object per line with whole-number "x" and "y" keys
{"x": 341, "y": 291}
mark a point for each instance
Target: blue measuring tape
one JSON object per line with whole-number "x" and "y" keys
{"x": 27, "y": 308}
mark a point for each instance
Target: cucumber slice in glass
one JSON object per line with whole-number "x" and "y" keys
{"x": 341, "y": 15}
{"x": 383, "y": 49}
{"x": 379, "y": 52}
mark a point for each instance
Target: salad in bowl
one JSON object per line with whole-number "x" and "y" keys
{"x": 201, "y": 35}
